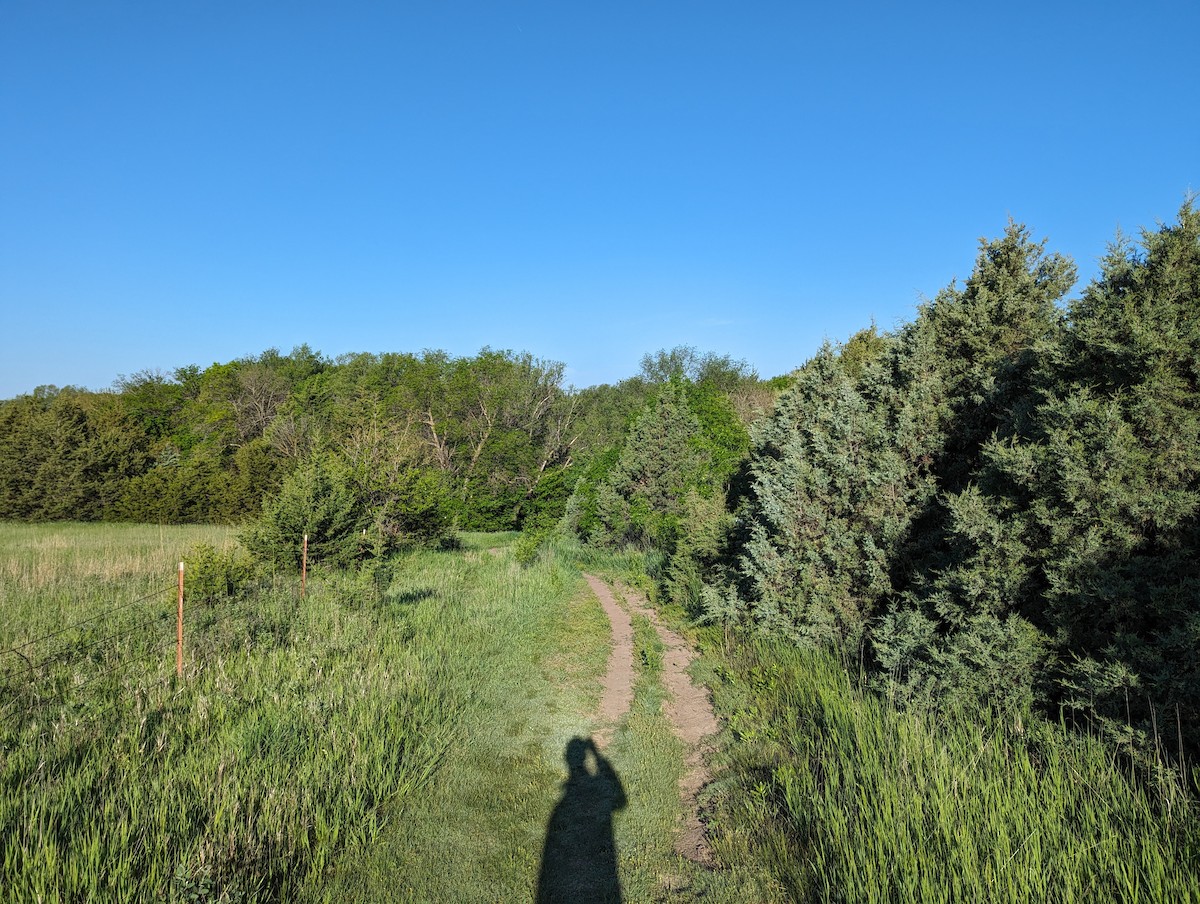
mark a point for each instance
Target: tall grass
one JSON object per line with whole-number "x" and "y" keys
{"x": 294, "y": 722}
{"x": 53, "y": 575}
{"x": 848, "y": 799}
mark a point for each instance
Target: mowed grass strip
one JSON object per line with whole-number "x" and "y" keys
{"x": 531, "y": 648}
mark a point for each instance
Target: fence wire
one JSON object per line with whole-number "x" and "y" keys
{"x": 86, "y": 621}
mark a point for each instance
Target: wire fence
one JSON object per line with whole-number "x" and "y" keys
{"x": 86, "y": 621}
{"x": 40, "y": 679}
{"x": 78, "y": 651}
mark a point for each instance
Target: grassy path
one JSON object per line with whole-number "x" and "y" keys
{"x": 526, "y": 805}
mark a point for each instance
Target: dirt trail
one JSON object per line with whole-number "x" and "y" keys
{"x": 688, "y": 707}
{"x": 618, "y": 677}
{"x": 691, "y": 715}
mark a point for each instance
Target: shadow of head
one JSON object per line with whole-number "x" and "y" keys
{"x": 576, "y": 755}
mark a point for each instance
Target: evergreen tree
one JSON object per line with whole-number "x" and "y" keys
{"x": 828, "y": 503}
{"x": 642, "y": 500}
{"x": 1105, "y": 496}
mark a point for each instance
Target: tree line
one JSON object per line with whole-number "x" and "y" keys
{"x": 493, "y": 441}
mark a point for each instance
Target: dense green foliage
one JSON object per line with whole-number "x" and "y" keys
{"x": 209, "y": 445}
{"x": 992, "y": 512}
{"x": 998, "y": 501}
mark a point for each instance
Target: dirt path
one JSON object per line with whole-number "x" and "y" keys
{"x": 690, "y": 712}
{"x": 688, "y": 707}
{"x": 619, "y": 676}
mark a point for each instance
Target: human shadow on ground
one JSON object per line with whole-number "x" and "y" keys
{"x": 579, "y": 860}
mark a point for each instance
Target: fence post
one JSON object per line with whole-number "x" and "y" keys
{"x": 304, "y": 567}
{"x": 179, "y": 629}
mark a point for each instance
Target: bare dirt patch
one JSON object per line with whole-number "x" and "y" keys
{"x": 619, "y": 676}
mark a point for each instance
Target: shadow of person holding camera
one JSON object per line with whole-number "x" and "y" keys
{"x": 579, "y": 860}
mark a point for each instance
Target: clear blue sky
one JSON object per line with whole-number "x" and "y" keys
{"x": 190, "y": 182}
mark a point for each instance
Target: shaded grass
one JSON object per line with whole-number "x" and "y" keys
{"x": 481, "y": 542}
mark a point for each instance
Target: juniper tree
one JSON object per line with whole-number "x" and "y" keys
{"x": 828, "y": 502}
{"x": 1107, "y": 490}
{"x": 1077, "y": 541}
{"x": 642, "y": 499}
{"x": 972, "y": 376}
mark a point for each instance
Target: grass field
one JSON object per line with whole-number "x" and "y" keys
{"x": 402, "y": 734}
{"x": 397, "y": 735}
{"x": 294, "y": 721}
{"x": 482, "y": 827}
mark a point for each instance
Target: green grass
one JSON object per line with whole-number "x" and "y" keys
{"x": 501, "y": 797}
{"x": 844, "y": 798}
{"x": 825, "y": 792}
{"x": 481, "y": 542}
{"x": 334, "y": 748}
{"x": 294, "y": 724}
{"x": 400, "y": 735}
{"x": 55, "y": 574}
{"x": 649, "y": 758}
{"x": 536, "y": 648}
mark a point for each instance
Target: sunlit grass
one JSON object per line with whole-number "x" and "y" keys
{"x": 52, "y": 575}
{"x": 295, "y": 723}
{"x": 845, "y": 798}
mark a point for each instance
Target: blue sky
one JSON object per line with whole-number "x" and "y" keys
{"x": 191, "y": 182}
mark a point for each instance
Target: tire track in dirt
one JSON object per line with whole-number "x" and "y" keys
{"x": 691, "y": 714}
{"x": 688, "y": 708}
{"x": 618, "y": 679}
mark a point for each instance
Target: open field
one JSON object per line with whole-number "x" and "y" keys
{"x": 294, "y": 723}
{"x": 334, "y": 748}
{"x": 404, "y": 733}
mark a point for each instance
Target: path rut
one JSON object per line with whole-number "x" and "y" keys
{"x": 618, "y": 677}
{"x": 688, "y": 708}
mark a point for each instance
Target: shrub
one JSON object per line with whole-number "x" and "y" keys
{"x": 215, "y": 574}
{"x": 319, "y": 500}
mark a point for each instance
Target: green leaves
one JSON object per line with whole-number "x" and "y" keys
{"x": 317, "y": 499}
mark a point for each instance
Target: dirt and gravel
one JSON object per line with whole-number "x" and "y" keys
{"x": 619, "y": 676}
{"x": 688, "y": 707}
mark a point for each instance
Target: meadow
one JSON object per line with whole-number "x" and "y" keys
{"x": 294, "y": 723}
{"x": 398, "y": 734}
{"x": 334, "y": 747}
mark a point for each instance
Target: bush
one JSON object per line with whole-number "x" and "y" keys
{"x": 316, "y": 499}
{"x": 214, "y": 575}
{"x": 527, "y": 547}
